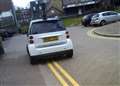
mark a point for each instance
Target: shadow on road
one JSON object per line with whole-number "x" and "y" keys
{"x": 48, "y": 60}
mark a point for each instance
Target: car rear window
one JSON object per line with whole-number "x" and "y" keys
{"x": 46, "y": 26}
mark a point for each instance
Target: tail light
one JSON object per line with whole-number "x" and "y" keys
{"x": 31, "y": 40}
{"x": 31, "y": 37}
{"x": 67, "y": 35}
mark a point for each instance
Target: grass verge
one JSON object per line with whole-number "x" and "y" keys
{"x": 72, "y": 21}
{"x": 24, "y": 29}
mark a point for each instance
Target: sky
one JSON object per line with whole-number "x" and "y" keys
{"x": 21, "y": 3}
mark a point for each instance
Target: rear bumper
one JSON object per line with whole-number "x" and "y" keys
{"x": 33, "y": 51}
{"x": 53, "y": 55}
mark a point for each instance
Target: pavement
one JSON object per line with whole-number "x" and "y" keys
{"x": 112, "y": 30}
{"x": 95, "y": 62}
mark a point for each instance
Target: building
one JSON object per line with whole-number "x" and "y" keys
{"x": 51, "y": 9}
{"x": 78, "y": 7}
{"x": 7, "y": 14}
{"x": 5, "y": 5}
{"x": 23, "y": 16}
{"x": 115, "y": 3}
{"x": 74, "y": 7}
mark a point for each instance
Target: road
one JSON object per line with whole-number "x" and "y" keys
{"x": 95, "y": 62}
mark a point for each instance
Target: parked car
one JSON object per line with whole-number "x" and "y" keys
{"x": 48, "y": 38}
{"x": 5, "y": 33}
{"x": 103, "y": 18}
{"x": 87, "y": 19}
{"x": 1, "y": 47}
{"x": 11, "y": 32}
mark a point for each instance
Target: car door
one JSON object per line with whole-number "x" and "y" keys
{"x": 116, "y": 16}
{"x": 106, "y": 17}
{"x": 113, "y": 16}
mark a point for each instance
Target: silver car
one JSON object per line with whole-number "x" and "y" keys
{"x": 103, "y": 18}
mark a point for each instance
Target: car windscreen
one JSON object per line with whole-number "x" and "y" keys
{"x": 96, "y": 15}
{"x": 87, "y": 17}
{"x": 46, "y": 27}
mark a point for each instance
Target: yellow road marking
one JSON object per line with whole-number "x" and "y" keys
{"x": 66, "y": 74}
{"x": 57, "y": 75}
{"x": 91, "y": 34}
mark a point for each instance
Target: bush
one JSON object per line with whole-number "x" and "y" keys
{"x": 117, "y": 9}
{"x": 24, "y": 29}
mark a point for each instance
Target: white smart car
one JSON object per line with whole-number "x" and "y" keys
{"x": 48, "y": 38}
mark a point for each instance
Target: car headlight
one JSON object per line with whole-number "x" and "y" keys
{"x": 96, "y": 18}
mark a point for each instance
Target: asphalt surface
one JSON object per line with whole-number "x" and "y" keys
{"x": 95, "y": 62}
{"x": 15, "y": 68}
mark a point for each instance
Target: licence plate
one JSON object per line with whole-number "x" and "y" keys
{"x": 49, "y": 39}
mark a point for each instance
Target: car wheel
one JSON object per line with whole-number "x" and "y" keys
{"x": 85, "y": 25}
{"x": 27, "y": 50}
{"x": 103, "y": 22}
{"x": 70, "y": 54}
{"x": 6, "y": 34}
{"x": 3, "y": 39}
{"x": 32, "y": 60}
{"x": 1, "y": 50}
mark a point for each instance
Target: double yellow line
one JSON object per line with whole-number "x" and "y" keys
{"x": 62, "y": 75}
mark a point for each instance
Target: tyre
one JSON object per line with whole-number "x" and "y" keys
{"x": 6, "y": 34}
{"x": 85, "y": 25}
{"x": 103, "y": 22}
{"x": 3, "y": 39}
{"x": 70, "y": 54}
{"x": 32, "y": 60}
{"x": 27, "y": 50}
{"x": 1, "y": 50}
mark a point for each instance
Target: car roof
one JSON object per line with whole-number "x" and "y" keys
{"x": 105, "y": 12}
{"x": 47, "y": 19}
{"x": 43, "y": 20}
